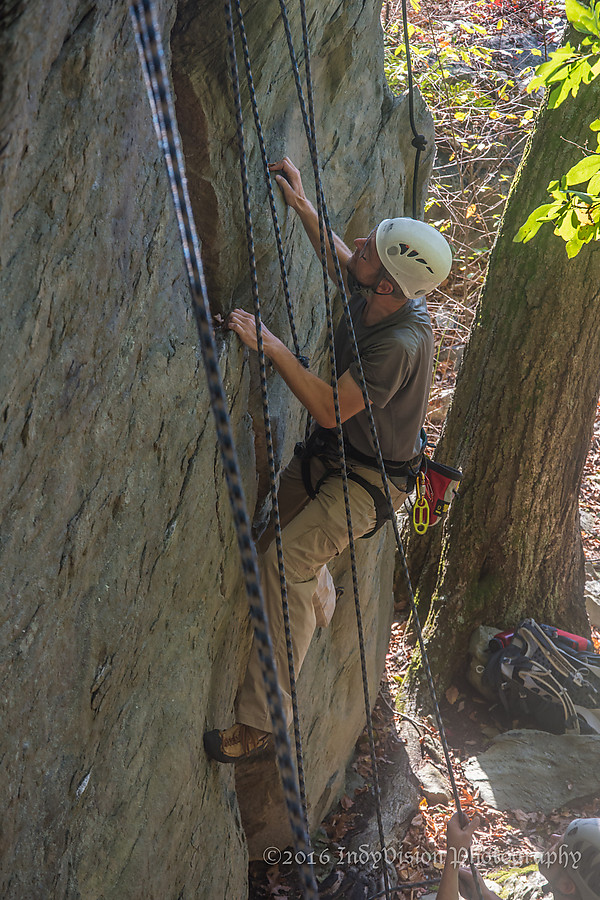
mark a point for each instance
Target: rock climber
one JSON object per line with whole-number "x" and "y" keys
{"x": 571, "y": 866}
{"x": 387, "y": 277}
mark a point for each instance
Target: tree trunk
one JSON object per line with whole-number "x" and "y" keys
{"x": 520, "y": 424}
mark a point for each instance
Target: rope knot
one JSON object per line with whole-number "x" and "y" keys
{"x": 420, "y": 142}
{"x": 303, "y": 360}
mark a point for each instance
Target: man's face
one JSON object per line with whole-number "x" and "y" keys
{"x": 364, "y": 263}
{"x": 556, "y": 873}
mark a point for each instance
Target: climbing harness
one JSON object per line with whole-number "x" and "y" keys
{"x": 152, "y": 60}
{"x": 322, "y": 445}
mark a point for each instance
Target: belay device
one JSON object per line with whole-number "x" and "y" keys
{"x": 436, "y": 486}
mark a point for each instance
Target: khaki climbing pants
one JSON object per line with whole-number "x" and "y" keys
{"x": 313, "y": 532}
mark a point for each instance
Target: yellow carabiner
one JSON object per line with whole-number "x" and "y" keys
{"x": 421, "y": 515}
{"x": 421, "y": 507}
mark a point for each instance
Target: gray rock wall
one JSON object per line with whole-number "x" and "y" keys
{"x": 123, "y": 628}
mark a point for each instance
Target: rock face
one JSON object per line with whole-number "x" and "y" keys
{"x": 533, "y": 770}
{"x": 124, "y": 623}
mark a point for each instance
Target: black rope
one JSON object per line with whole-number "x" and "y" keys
{"x": 406, "y": 886}
{"x": 269, "y": 186}
{"x": 322, "y": 210}
{"x": 310, "y": 128}
{"x": 159, "y": 94}
{"x": 419, "y": 141}
{"x": 261, "y": 356}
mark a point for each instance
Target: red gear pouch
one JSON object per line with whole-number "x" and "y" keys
{"x": 436, "y": 486}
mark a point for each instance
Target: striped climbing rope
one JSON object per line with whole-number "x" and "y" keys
{"x": 151, "y": 54}
{"x": 261, "y": 355}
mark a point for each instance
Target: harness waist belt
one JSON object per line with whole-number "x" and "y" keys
{"x": 407, "y": 467}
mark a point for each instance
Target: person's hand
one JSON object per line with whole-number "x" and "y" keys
{"x": 468, "y": 890}
{"x": 289, "y": 180}
{"x": 466, "y": 884}
{"x": 459, "y": 837}
{"x": 244, "y": 325}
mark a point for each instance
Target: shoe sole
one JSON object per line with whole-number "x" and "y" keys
{"x": 212, "y": 746}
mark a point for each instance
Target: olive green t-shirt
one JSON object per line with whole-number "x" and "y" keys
{"x": 396, "y": 355}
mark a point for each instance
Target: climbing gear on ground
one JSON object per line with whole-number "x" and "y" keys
{"x": 582, "y": 838}
{"x": 564, "y": 640}
{"x": 437, "y": 485}
{"x": 414, "y": 253}
{"x": 152, "y": 59}
{"x": 235, "y": 743}
{"x": 537, "y": 678}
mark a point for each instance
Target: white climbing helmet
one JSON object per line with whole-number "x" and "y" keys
{"x": 583, "y": 838}
{"x": 415, "y": 254}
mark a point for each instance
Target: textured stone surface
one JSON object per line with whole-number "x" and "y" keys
{"x": 123, "y": 618}
{"x": 534, "y": 771}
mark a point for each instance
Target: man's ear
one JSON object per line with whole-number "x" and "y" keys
{"x": 384, "y": 287}
{"x": 564, "y": 884}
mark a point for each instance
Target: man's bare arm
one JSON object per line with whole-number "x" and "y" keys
{"x": 289, "y": 180}
{"x": 314, "y": 393}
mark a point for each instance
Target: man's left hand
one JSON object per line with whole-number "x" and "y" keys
{"x": 244, "y": 325}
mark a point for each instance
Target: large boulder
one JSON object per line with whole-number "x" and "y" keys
{"x": 533, "y": 770}
{"x": 124, "y": 619}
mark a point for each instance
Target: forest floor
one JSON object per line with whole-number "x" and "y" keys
{"x": 472, "y": 59}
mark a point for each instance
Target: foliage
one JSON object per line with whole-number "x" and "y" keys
{"x": 575, "y": 197}
{"x": 468, "y": 63}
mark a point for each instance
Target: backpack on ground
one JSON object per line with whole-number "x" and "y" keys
{"x": 538, "y": 677}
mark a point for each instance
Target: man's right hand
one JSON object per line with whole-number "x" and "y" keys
{"x": 289, "y": 180}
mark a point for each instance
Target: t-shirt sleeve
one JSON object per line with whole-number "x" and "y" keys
{"x": 386, "y": 368}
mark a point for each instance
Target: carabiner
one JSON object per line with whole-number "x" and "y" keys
{"x": 421, "y": 515}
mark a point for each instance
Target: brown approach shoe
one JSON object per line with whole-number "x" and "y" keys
{"x": 235, "y": 743}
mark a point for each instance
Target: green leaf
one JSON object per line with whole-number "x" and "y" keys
{"x": 595, "y": 125}
{"x": 567, "y": 227}
{"x": 583, "y": 170}
{"x": 530, "y": 228}
{"x": 581, "y": 17}
{"x": 553, "y": 98}
{"x": 573, "y": 246}
{"x": 558, "y": 59}
{"x": 587, "y": 233}
{"x": 594, "y": 185}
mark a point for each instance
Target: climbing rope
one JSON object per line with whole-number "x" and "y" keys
{"x": 235, "y": 82}
{"x": 310, "y": 129}
{"x": 151, "y": 54}
{"x": 324, "y": 222}
{"x": 152, "y": 59}
{"x": 269, "y": 185}
{"x": 419, "y": 141}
